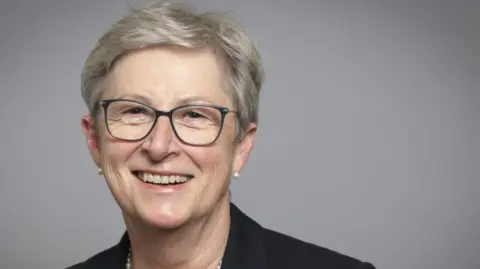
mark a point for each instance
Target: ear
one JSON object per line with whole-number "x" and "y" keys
{"x": 88, "y": 127}
{"x": 244, "y": 147}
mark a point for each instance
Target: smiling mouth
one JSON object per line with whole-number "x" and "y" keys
{"x": 162, "y": 180}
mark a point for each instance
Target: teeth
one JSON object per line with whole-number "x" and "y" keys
{"x": 158, "y": 179}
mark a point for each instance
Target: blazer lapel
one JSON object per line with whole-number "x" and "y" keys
{"x": 245, "y": 246}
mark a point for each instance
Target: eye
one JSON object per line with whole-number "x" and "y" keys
{"x": 193, "y": 115}
{"x": 135, "y": 110}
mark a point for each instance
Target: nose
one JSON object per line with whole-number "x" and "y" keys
{"x": 160, "y": 143}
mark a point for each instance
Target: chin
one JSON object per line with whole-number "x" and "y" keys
{"x": 166, "y": 216}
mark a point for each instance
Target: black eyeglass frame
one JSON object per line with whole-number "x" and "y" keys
{"x": 169, "y": 114}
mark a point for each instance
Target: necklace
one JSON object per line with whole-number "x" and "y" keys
{"x": 129, "y": 261}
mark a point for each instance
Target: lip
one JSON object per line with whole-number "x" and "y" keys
{"x": 162, "y": 188}
{"x": 162, "y": 173}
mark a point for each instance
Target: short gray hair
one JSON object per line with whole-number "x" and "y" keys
{"x": 174, "y": 23}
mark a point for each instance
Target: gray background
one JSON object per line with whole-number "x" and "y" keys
{"x": 368, "y": 140}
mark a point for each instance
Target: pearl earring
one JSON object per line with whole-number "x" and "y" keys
{"x": 236, "y": 175}
{"x": 100, "y": 171}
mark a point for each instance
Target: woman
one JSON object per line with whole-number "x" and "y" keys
{"x": 173, "y": 102}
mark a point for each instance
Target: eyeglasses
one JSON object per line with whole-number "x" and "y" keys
{"x": 193, "y": 124}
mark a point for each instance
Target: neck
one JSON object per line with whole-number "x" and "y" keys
{"x": 199, "y": 244}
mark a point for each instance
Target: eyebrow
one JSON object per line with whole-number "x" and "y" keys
{"x": 136, "y": 97}
{"x": 194, "y": 99}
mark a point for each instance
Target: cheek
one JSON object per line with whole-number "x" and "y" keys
{"x": 219, "y": 155}
{"x": 216, "y": 159}
{"x": 115, "y": 156}
{"x": 115, "y": 153}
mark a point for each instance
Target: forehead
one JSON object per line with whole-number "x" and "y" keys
{"x": 165, "y": 76}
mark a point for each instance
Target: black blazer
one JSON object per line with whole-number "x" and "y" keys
{"x": 249, "y": 246}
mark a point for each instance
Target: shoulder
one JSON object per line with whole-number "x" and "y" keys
{"x": 108, "y": 258}
{"x": 96, "y": 259}
{"x": 284, "y": 251}
{"x": 92, "y": 262}
{"x": 266, "y": 248}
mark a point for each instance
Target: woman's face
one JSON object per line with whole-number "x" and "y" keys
{"x": 166, "y": 78}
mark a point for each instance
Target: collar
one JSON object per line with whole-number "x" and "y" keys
{"x": 245, "y": 245}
